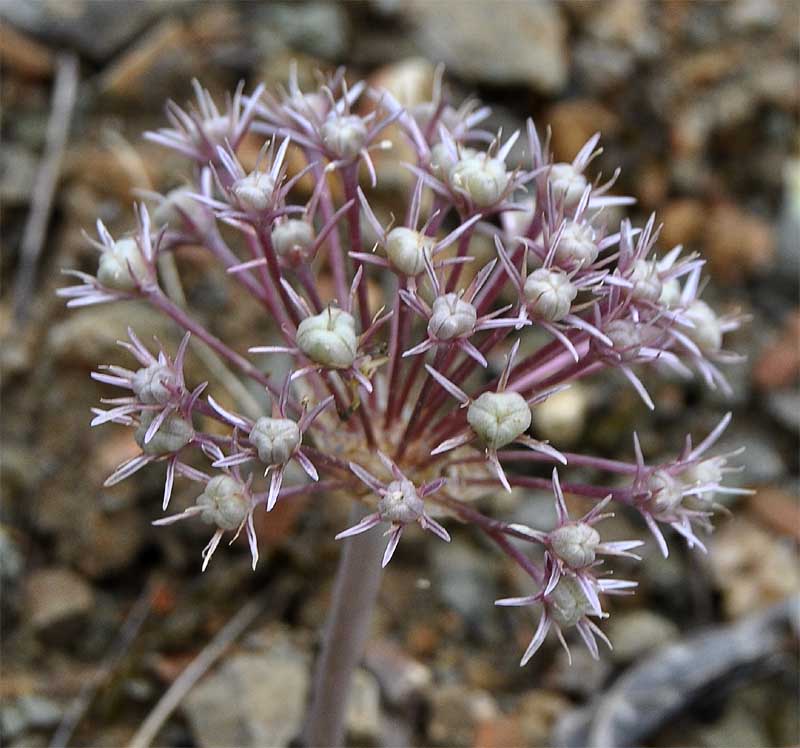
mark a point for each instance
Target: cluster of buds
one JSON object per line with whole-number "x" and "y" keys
{"x": 381, "y": 393}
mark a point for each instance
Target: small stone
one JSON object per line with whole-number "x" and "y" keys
{"x": 585, "y": 676}
{"x": 684, "y": 219}
{"x": 76, "y": 24}
{"x": 738, "y": 244}
{"x": 525, "y": 44}
{"x": 40, "y": 713}
{"x": 17, "y": 174}
{"x": 363, "y": 717}
{"x": 751, "y": 567}
{"x": 638, "y": 632}
{"x": 784, "y": 407}
{"x": 456, "y": 713}
{"x": 538, "y": 710}
{"x": 320, "y": 29}
{"x": 465, "y": 581}
{"x": 403, "y": 681}
{"x": 256, "y": 698}
{"x": 562, "y": 417}
{"x": 778, "y": 365}
{"x": 575, "y": 121}
{"x": 58, "y": 602}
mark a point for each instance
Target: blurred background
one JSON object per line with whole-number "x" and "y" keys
{"x": 101, "y": 612}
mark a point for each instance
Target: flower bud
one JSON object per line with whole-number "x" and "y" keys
{"x": 666, "y": 492}
{"x": 292, "y": 237}
{"x": 550, "y": 294}
{"x": 406, "y": 249}
{"x": 577, "y": 245}
{"x": 498, "y": 418}
{"x": 670, "y": 293}
{"x": 122, "y": 266}
{"x": 401, "y": 504}
{"x": 224, "y": 503}
{"x": 443, "y": 160}
{"x": 575, "y": 544}
{"x": 707, "y": 472}
{"x": 178, "y": 206}
{"x": 646, "y": 282}
{"x": 481, "y": 178}
{"x": 626, "y": 336}
{"x": 567, "y": 182}
{"x": 329, "y": 338}
{"x": 517, "y": 222}
{"x": 154, "y": 384}
{"x": 173, "y": 434}
{"x": 254, "y": 191}
{"x": 275, "y": 439}
{"x": 215, "y": 129}
{"x": 344, "y": 136}
{"x": 706, "y": 332}
{"x": 451, "y": 317}
{"x": 567, "y": 604}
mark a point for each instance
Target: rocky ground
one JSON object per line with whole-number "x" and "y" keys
{"x": 101, "y": 612}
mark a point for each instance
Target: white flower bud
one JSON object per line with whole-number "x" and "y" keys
{"x": 626, "y": 336}
{"x": 706, "y": 333}
{"x": 344, "y": 136}
{"x": 329, "y": 338}
{"x": 550, "y": 294}
{"x": 173, "y": 434}
{"x": 224, "y": 503}
{"x": 178, "y": 203}
{"x": 481, "y": 178}
{"x": 670, "y": 293}
{"x": 647, "y": 285}
{"x": 406, "y": 249}
{"x": 254, "y": 191}
{"x": 498, "y": 418}
{"x": 577, "y": 245}
{"x": 443, "y": 160}
{"x": 275, "y": 439}
{"x": 568, "y": 184}
{"x": 567, "y": 604}
{"x": 154, "y": 384}
{"x": 122, "y": 266}
{"x": 401, "y": 504}
{"x": 517, "y": 222}
{"x": 666, "y": 492}
{"x": 292, "y": 237}
{"x": 214, "y": 129}
{"x": 707, "y": 472}
{"x": 451, "y": 317}
{"x": 575, "y": 544}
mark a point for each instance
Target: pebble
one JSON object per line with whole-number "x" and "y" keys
{"x": 76, "y": 24}
{"x": 321, "y": 29}
{"x": 738, "y": 244}
{"x": 638, "y": 632}
{"x": 58, "y": 602}
{"x": 254, "y": 698}
{"x": 537, "y": 711}
{"x": 466, "y": 583}
{"x": 524, "y": 44}
{"x": 363, "y": 716}
{"x": 562, "y": 417}
{"x": 575, "y": 121}
{"x": 17, "y": 174}
{"x": 455, "y": 714}
{"x": 751, "y": 568}
{"x": 784, "y": 407}
{"x": 403, "y": 681}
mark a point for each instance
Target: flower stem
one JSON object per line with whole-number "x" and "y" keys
{"x": 355, "y": 592}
